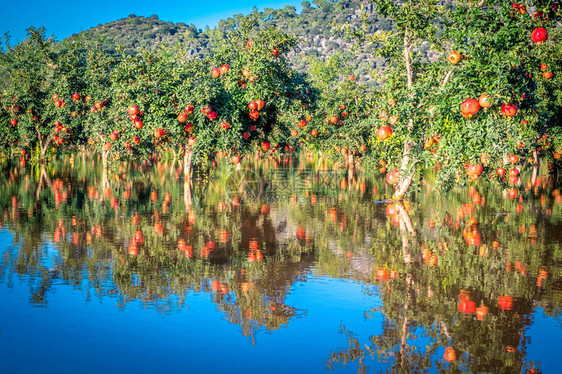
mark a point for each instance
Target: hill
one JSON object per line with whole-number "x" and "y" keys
{"x": 314, "y": 26}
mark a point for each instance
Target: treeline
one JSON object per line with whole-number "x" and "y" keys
{"x": 315, "y": 27}
{"x": 452, "y": 95}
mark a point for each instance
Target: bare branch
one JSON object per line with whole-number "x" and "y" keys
{"x": 409, "y": 72}
{"x": 447, "y": 76}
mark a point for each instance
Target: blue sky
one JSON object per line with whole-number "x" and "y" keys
{"x": 63, "y": 18}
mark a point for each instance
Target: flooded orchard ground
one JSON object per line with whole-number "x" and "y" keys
{"x": 274, "y": 270}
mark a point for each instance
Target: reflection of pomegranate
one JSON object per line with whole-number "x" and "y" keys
{"x": 301, "y": 232}
{"x": 505, "y": 302}
{"x": 467, "y": 306}
{"x": 382, "y": 274}
{"x": 481, "y": 311}
{"x": 450, "y": 355}
{"x": 390, "y": 210}
{"x": 512, "y": 193}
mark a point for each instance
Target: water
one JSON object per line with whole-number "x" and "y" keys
{"x": 273, "y": 270}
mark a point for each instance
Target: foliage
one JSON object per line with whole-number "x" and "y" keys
{"x": 245, "y": 97}
{"x": 91, "y": 96}
{"x": 426, "y": 96}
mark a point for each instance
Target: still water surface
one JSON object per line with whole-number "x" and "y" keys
{"x": 273, "y": 270}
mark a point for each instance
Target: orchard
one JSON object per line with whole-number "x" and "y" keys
{"x": 479, "y": 98}
{"x": 403, "y": 212}
{"x": 488, "y": 87}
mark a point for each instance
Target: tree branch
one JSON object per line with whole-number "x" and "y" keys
{"x": 409, "y": 73}
{"x": 447, "y": 76}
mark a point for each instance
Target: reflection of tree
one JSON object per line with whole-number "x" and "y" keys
{"x": 151, "y": 238}
{"x": 487, "y": 319}
{"x": 353, "y": 353}
{"x": 121, "y": 237}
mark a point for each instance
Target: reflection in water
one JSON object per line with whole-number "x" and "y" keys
{"x": 460, "y": 275}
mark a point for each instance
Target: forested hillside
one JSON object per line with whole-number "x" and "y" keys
{"x": 315, "y": 26}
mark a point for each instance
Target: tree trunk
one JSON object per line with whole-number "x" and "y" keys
{"x": 409, "y": 72}
{"x": 173, "y": 166}
{"x": 536, "y": 167}
{"x": 40, "y": 186}
{"x": 43, "y": 147}
{"x": 319, "y": 162}
{"x": 187, "y": 167}
{"x": 350, "y": 169}
{"x": 403, "y": 186}
{"x": 105, "y": 180}
{"x": 407, "y": 168}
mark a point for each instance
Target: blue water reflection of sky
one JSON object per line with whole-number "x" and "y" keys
{"x": 79, "y": 331}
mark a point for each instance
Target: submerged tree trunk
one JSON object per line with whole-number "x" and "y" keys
{"x": 406, "y": 170}
{"x": 104, "y": 163}
{"x": 350, "y": 169}
{"x": 174, "y": 160}
{"x": 187, "y": 166}
{"x": 320, "y": 160}
{"x": 536, "y": 167}
{"x": 43, "y": 146}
